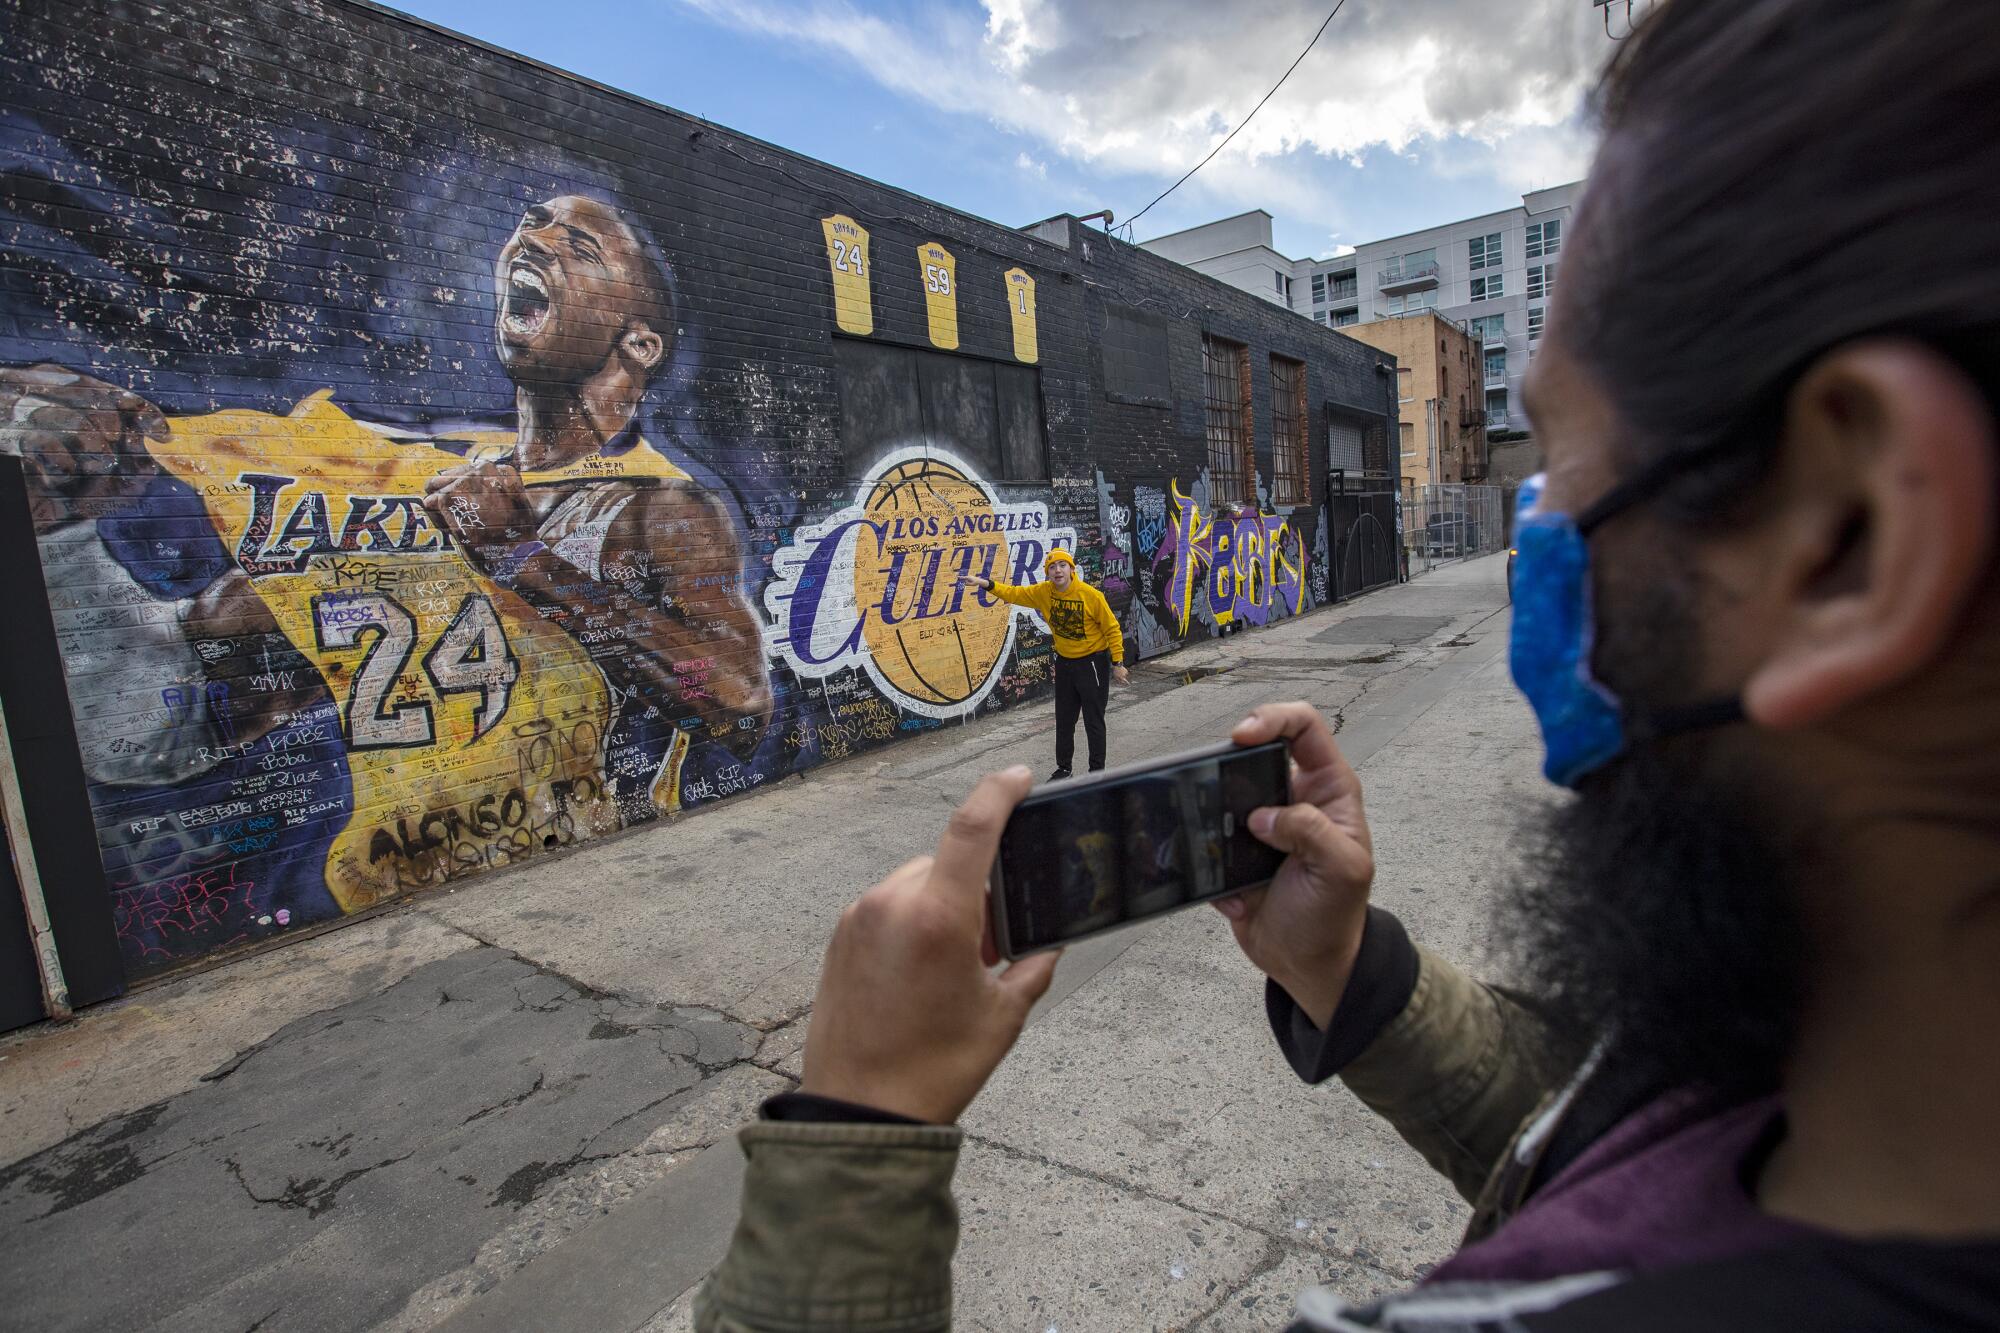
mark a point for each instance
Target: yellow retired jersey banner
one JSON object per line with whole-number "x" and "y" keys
{"x": 940, "y": 293}
{"x": 847, "y": 259}
{"x": 468, "y": 718}
{"x": 1021, "y": 309}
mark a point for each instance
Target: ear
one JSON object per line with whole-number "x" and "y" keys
{"x": 1887, "y": 531}
{"x": 644, "y": 346}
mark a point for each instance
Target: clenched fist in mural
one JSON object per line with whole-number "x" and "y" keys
{"x": 78, "y": 438}
{"x": 483, "y": 505}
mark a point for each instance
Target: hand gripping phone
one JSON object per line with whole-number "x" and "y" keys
{"x": 1084, "y": 856}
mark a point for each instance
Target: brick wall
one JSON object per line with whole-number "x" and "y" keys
{"x": 439, "y": 459}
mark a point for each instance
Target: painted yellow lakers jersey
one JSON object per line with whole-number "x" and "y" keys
{"x": 474, "y": 729}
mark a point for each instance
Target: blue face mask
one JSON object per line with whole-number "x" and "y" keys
{"x": 1584, "y": 725}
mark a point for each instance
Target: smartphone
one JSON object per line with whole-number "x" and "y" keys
{"x": 1088, "y": 855}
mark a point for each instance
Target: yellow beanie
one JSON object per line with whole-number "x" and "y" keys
{"x": 1059, "y": 555}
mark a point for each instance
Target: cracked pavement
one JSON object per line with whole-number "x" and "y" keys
{"x": 509, "y": 1104}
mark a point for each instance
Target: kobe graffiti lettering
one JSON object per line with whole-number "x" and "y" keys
{"x": 879, "y": 585}
{"x": 1238, "y": 566}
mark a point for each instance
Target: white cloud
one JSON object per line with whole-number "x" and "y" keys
{"x": 1039, "y": 170}
{"x": 1469, "y": 87}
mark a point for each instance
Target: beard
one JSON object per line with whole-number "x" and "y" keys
{"x": 1658, "y": 909}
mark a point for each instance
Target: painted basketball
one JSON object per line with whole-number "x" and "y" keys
{"x": 929, "y": 637}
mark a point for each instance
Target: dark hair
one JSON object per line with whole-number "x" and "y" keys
{"x": 1778, "y": 177}
{"x": 656, "y": 304}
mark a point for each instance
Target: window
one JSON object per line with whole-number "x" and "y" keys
{"x": 1134, "y": 352}
{"x": 1288, "y": 431}
{"x": 1319, "y": 316}
{"x": 987, "y": 412}
{"x": 1488, "y": 288}
{"x": 1489, "y": 328}
{"x": 1541, "y": 281}
{"x": 1544, "y": 238}
{"x": 1341, "y": 286}
{"x": 1345, "y": 317}
{"x": 1534, "y": 322}
{"x": 1496, "y": 364}
{"x": 1496, "y": 409}
{"x": 1414, "y": 303}
{"x": 1284, "y": 287}
{"x": 1346, "y": 442}
{"x": 1409, "y": 437}
{"x": 1225, "y": 368}
{"x": 1319, "y": 289}
{"x": 1405, "y": 384}
{"x": 1483, "y": 252}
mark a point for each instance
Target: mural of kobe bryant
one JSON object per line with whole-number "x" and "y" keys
{"x": 482, "y": 638}
{"x": 584, "y": 517}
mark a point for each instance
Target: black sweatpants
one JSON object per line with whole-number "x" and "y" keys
{"x": 1083, "y": 685}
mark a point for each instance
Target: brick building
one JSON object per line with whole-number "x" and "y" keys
{"x": 1440, "y": 424}
{"x": 715, "y": 432}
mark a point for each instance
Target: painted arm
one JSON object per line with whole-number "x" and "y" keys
{"x": 82, "y": 445}
{"x": 667, "y": 621}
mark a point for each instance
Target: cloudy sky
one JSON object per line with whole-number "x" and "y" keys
{"x": 1408, "y": 112}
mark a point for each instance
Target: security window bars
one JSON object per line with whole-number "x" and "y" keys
{"x": 1483, "y": 252}
{"x": 1544, "y": 238}
{"x": 1225, "y": 368}
{"x": 1488, "y": 288}
{"x": 1288, "y": 435}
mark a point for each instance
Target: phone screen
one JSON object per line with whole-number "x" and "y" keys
{"x": 1074, "y": 861}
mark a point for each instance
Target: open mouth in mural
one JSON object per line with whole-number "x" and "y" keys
{"x": 527, "y": 301}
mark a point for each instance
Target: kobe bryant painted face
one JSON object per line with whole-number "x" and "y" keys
{"x": 574, "y": 287}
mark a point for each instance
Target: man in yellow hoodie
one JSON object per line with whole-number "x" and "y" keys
{"x": 1090, "y": 651}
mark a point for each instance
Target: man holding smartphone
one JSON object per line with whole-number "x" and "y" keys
{"x": 1744, "y": 1074}
{"x": 1090, "y": 650}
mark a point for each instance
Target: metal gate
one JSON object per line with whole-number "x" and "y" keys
{"x": 1361, "y": 538}
{"x": 1452, "y": 521}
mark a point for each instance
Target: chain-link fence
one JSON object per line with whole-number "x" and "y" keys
{"x": 1452, "y": 521}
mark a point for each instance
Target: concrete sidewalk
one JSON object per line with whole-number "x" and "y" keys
{"x": 511, "y": 1106}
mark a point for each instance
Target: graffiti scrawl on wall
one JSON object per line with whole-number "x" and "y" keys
{"x": 1235, "y": 566}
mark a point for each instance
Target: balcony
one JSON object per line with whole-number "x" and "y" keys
{"x": 1493, "y": 337}
{"x": 1408, "y": 278}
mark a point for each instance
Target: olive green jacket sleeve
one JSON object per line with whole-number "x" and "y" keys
{"x": 1458, "y": 1072}
{"x": 846, "y": 1227}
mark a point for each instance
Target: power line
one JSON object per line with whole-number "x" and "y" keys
{"x": 1246, "y": 120}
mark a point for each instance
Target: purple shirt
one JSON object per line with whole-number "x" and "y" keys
{"x": 1665, "y": 1187}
